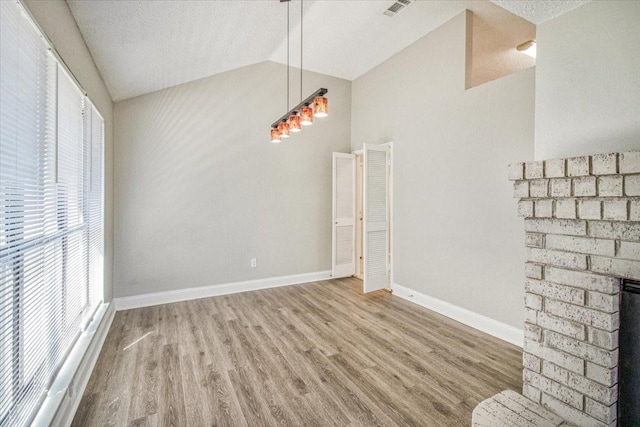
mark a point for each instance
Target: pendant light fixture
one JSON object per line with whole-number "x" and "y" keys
{"x": 314, "y": 105}
{"x": 275, "y": 135}
{"x": 294, "y": 123}
{"x": 283, "y": 128}
{"x": 320, "y": 106}
{"x": 306, "y": 116}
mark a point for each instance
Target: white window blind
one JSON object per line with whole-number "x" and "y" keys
{"x": 51, "y": 233}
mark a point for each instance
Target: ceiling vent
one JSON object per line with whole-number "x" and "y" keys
{"x": 397, "y": 7}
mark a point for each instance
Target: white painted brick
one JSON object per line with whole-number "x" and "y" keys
{"x": 593, "y": 390}
{"x": 525, "y": 208}
{"x": 555, "y": 291}
{"x": 604, "y": 164}
{"x": 604, "y": 413}
{"x": 584, "y": 315}
{"x": 576, "y": 416}
{"x": 603, "y": 302}
{"x": 560, "y": 358}
{"x": 584, "y": 186}
{"x": 634, "y": 210}
{"x": 554, "y": 168}
{"x": 525, "y": 408}
{"x": 610, "y": 186}
{"x": 531, "y": 362}
{"x": 562, "y": 326}
{"x": 588, "y": 352}
{"x": 539, "y": 188}
{"x": 521, "y": 189}
{"x": 615, "y": 210}
{"x": 534, "y": 170}
{"x": 579, "y": 383}
{"x": 606, "y": 376}
{"x": 632, "y": 185}
{"x": 561, "y": 392}
{"x": 532, "y": 332}
{"x": 578, "y": 166}
{"x": 629, "y": 231}
{"x": 536, "y": 380}
{"x": 586, "y": 245}
{"x": 558, "y": 226}
{"x": 615, "y": 267}
{"x": 589, "y": 209}
{"x": 561, "y": 187}
{"x": 588, "y": 281}
{"x": 602, "y": 339}
{"x": 533, "y": 270}
{"x": 544, "y": 208}
{"x": 558, "y": 258}
{"x": 629, "y": 250}
{"x": 630, "y": 162}
{"x": 531, "y": 393}
{"x": 530, "y": 315}
{"x": 566, "y": 208}
{"x": 533, "y": 301}
{"x": 516, "y": 171}
{"x": 534, "y": 240}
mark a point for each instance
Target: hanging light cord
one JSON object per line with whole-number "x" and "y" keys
{"x": 288, "y": 3}
{"x": 301, "y": 9}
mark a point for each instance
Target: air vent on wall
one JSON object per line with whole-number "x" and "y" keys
{"x": 397, "y": 7}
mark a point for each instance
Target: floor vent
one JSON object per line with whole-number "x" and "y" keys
{"x": 397, "y": 7}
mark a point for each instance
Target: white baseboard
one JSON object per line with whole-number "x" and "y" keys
{"x": 65, "y": 394}
{"x": 156, "y": 298}
{"x": 478, "y": 321}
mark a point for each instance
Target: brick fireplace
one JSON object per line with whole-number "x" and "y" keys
{"x": 582, "y": 236}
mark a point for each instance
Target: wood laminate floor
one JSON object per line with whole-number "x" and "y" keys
{"x": 320, "y": 354}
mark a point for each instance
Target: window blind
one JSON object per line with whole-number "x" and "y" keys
{"x": 51, "y": 233}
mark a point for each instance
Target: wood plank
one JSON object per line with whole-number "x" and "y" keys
{"x": 316, "y": 354}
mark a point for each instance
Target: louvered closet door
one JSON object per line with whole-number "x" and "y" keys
{"x": 343, "y": 259}
{"x": 376, "y": 218}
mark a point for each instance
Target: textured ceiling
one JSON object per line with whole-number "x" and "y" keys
{"x": 141, "y": 46}
{"x": 538, "y": 11}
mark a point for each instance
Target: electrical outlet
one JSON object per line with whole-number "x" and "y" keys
{"x": 254, "y": 263}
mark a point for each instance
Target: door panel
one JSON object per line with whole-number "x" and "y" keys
{"x": 376, "y": 218}
{"x": 343, "y": 258}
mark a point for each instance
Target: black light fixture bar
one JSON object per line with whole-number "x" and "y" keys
{"x": 320, "y": 92}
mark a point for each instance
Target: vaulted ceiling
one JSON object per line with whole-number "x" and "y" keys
{"x": 141, "y": 46}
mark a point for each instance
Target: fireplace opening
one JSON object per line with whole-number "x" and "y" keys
{"x": 629, "y": 363}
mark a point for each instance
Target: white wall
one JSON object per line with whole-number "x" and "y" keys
{"x": 457, "y": 236}
{"x": 588, "y": 81}
{"x": 55, "y": 19}
{"x": 200, "y": 190}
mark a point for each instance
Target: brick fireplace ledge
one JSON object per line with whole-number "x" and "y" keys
{"x": 582, "y": 224}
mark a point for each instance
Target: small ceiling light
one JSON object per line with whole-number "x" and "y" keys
{"x": 306, "y": 116}
{"x": 321, "y": 106}
{"x": 528, "y": 48}
{"x": 275, "y": 135}
{"x": 294, "y": 123}
{"x": 283, "y": 128}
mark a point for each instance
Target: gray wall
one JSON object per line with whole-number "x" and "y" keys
{"x": 200, "y": 190}
{"x": 55, "y": 19}
{"x": 588, "y": 81}
{"x": 457, "y": 236}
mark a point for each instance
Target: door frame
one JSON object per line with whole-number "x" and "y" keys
{"x": 360, "y": 152}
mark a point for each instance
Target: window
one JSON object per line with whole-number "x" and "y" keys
{"x": 51, "y": 226}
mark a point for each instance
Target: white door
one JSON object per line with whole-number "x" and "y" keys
{"x": 343, "y": 257}
{"x": 375, "y": 239}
